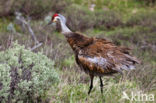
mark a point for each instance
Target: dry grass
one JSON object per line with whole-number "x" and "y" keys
{"x": 137, "y": 32}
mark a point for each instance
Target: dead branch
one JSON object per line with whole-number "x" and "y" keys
{"x": 36, "y": 46}
{"x": 25, "y": 25}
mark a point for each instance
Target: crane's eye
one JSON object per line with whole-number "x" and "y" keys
{"x": 55, "y": 19}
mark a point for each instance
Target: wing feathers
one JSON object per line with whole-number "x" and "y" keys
{"x": 97, "y": 65}
{"x": 100, "y": 56}
{"x": 103, "y": 56}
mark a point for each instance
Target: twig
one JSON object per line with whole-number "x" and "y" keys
{"x": 24, "y": 23}
{"x": 36, "y": 46}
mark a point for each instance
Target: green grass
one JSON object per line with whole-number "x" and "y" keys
{"x": 74, "y": 83}
{"x": 3, "y": 24}
{"x": 74, "y": 86}
{"x": 69, "y": 61}
{"x": 125, "y": 7}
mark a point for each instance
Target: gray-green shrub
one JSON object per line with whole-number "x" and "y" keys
{"x": 147, "y": 2}
{"x": 25, "y": 76}
{"x": 143, "y": 19}
{"x": 33, "y": 8}
{"x": 81, "y": 19}
{"x": 107, "y": 19}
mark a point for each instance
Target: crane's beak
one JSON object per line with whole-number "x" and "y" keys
{"x": 55, "y": 20}
{"x": 51, "y": 22}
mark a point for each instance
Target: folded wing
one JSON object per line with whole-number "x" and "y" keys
{"x": 103, "y": 57}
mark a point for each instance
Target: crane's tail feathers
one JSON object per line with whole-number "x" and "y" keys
{"x": 127, "y": 68}
{"x": 133, "y": 59}
{"x": 124, "y": 67}
{"x": 128, "y": 64}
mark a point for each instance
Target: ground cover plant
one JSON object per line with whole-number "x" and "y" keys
{"x": 128, "y": 23}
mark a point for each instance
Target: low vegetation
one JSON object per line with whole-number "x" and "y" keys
{"x": 129, "y": 23}
{"x": 25, "y": 76}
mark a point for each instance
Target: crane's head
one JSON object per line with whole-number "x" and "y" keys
{"x": 56, "y": 18}
{"x": 60, "y": 20}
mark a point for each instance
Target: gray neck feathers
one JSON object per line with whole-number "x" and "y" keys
{"x": 64, "y": 28}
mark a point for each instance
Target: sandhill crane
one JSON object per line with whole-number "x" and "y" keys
{"x": 96, "y": 56}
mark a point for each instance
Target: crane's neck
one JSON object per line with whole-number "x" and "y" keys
{"x": 64, "y": 28}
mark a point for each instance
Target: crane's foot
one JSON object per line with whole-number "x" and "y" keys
{"x": 101, "y": 84}
{"x": 91, "y": 84}
{"x": 101, "y": 89}
{"x": 90, "y": 88}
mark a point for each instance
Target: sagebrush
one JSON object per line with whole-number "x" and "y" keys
{"x": 25, "y": 76}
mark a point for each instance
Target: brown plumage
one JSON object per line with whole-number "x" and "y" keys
{"x": 96, "y": 56}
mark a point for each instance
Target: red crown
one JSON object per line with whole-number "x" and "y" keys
{"x": 54, "y": 16}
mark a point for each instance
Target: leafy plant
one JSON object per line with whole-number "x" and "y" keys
{"x": 147, "y": 18}
{"x": 35, "y": 9}
{"x": 81, "y": 18}
{"x": 107, "y": 19}
{"x": 25, "y": 76}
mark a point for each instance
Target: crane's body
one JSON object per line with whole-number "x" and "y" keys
{"x": 96, "y": 56}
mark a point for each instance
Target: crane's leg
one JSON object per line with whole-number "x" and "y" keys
{"x": 91, "y": 83}
{"x": 101, "y": 84}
